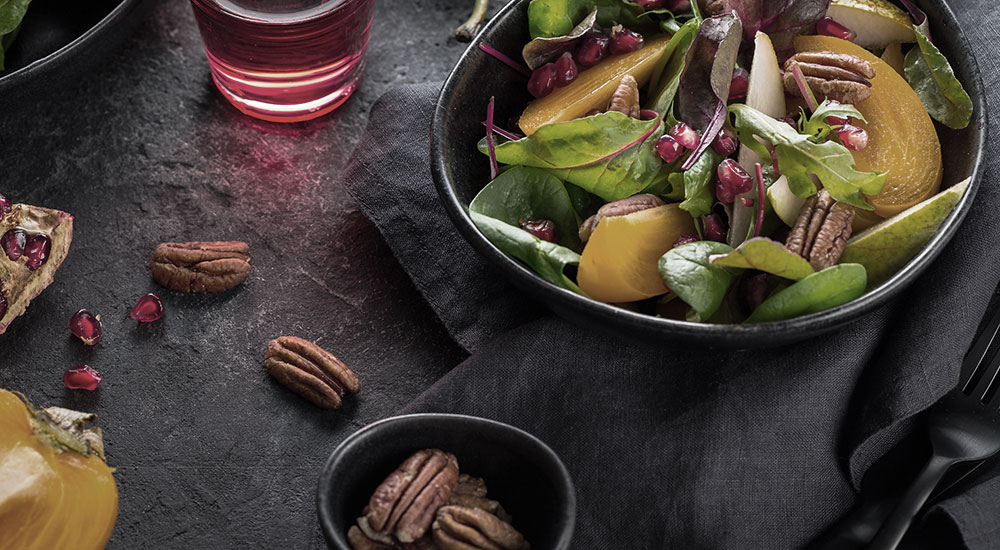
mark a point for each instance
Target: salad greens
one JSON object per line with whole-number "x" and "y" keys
{"x": 931, "y": 76}
{"x": 11, "y": 14}
{"x": 688, "y": 272}
{"x": 627, "y": 205}
{"x": 829, "y": 288}
{"x": 799, "y": 158}
{"x": 766, "y": 255}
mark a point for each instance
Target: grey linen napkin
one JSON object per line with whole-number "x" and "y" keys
{"x": 678, "y": 447}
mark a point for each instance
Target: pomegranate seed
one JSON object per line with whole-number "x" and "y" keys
{"x": 685, "y": 239}
{"x": 740, "y": 83}
{"x": 543, "y": 80}
{"x": 82, "y": 378}
{"x": 723, "y": 194}
{"x": 669, "y": 148}
{"x": 3, "y": 305}
{"x": 790, "y": 121}
{"x": 852, "y": 137}
{"x": 624, "y": 40}
{"x": 566, "y": 70}
{"x": 736, "y": 180}
{"x": 649, "y": 5}
{"x": 829, "y": 27}
{"x": 725, "y": 143}
{"x": 149, "y": 308}
{"x": 36, "y": 250}
{"x": 747, "y": 201}
{"x": 753, "y": 291}
{"x": 13, "y": 242}
{"x": 593, "y": 48}
{"x": 685, "y": 135}
{"x": 5, "y": 205}
{"x": 715, "y": 228}
{"x": 543, "y": 229}
{"x": 86, "y": 327}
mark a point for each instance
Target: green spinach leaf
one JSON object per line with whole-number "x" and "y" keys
{"x": 698, "y": 193}
{"x": 829, "y": 288}
{"x": 932, "y": 78}
{"x": 11, "y": 14}
{"x": 798, "y": 158}
{"x": 549, "y": 18}
{"x": 689, "y": 274}
{"x": 763, "y": 254}
{"x": 667, "y": 73}
{"x": 548, "y": 260}
{"x": 530, "y": 194}
{"x": 586, "y": 204}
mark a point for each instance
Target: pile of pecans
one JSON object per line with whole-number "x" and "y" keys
{"x": 427, "y": 504}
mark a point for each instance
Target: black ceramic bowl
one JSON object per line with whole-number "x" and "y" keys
{"x": 460, "y": 171}
{"x": 58, "y": 39}
{"x": 520, "y": 471}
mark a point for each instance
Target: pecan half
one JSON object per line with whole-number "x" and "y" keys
{"x": 310, "y": 371}
{"x": 404, "y": 504}
{"x": 471, "y": 493}
{"x": 210, "y": 266}
{"x": 459, "y": 528}
{"x": 621, "y": 207}
{"x": 821, "y": 230}
{"x": 840, "y": 76}
{"x": 625, "y": 100}
{"x": 360, "y": 541}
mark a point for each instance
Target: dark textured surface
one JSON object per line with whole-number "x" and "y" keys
{"x": 210, "y": 452}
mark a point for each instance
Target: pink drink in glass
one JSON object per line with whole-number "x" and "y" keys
{"x": 285, "y": 60}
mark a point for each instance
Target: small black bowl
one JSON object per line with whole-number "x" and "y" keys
{"x": 520, "y": 471}
{"x": 460, "y": 171}
{"x": 59, "y": 39}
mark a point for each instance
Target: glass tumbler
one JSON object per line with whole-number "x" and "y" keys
{"x": 285, "y": 60}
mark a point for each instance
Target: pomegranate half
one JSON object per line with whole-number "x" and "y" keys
{"x": 35, "y": 242}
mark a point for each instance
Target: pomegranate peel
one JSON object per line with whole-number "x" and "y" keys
{"x": 39, "y": 253}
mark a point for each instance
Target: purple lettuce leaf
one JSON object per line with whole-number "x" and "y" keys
{"x": 782, "y": 20}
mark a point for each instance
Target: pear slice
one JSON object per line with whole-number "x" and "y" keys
{"x": 766, "y": 93}
{"x": 886, "y": 247}
{"x": 785, "y": 203}
{"x": 877, "y": 23}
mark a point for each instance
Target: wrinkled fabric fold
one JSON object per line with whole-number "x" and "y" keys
{"x": 672, "y": 446}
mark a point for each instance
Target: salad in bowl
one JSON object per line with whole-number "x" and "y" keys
{"x": 722, "y": 161}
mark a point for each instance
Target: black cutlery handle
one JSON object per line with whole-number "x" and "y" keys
{"x": 856, "y": 529}
{"x": 916, "y": 496}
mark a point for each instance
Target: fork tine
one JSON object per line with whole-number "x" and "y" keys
{"x": 976, "y": 362}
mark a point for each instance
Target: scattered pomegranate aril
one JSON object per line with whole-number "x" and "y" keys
{"x": 649, "y": 5}
{"x": 82, "y": 378}
{"x": 13, "y": 242}
{"x": 566, "y": 70}
{"x": 624, "y": 40}
{"x": 149, "y": 308}
{"x": 592, "y": 49}
{"x": 740, "y": 83}
{"x": 852, "y": 137}
{"x": 829, "y": 27}
{"x": 36, "y": 249}
{"x": 753, "y": 291}
{"x": 715, "y": 228}
{"x": 723, "y": 194}
{"x": 685, "y": 239}
{"x": 5, "y": 205}
{"x": 86, "y": 326}
{"x": 685, "y": 135}
{"x": 542, "y": 81}
{"x": 747, "y": 201}
{"x": 736, "y": 180}
{"x": 669, "y": 148}
{"x": 543, "y": 229}
{"x": 725, "y": 143}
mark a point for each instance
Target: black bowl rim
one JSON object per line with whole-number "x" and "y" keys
{"x": 755, "y": 335}
{"x": 39, "y": 66}
{"x": 564, "y": 483}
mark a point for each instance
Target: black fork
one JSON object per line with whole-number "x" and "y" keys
{"x": 964, "y": 426}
